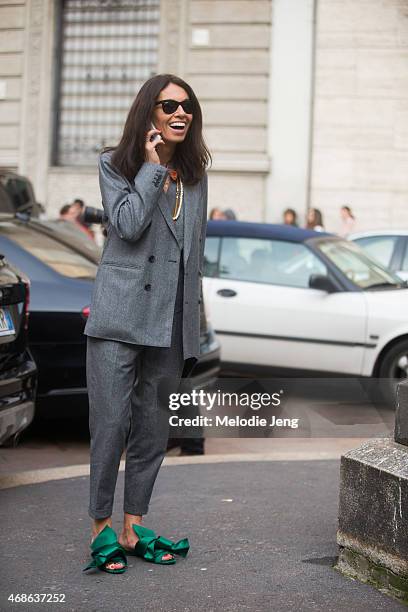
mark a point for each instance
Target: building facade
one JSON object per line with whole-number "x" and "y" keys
{"x": 305, "y": 102}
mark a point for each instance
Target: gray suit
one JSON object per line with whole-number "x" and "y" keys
{"x": 143, "y": 325}
{"x": 135, "y": 287}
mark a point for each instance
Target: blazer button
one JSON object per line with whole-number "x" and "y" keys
{"x": 148, "y": 287}
{"x": 152, "y": 258}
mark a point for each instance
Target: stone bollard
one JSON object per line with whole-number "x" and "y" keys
{"x": 373, "y": 509}
{"x": 401, "y": 415}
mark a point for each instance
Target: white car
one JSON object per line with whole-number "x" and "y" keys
{"x": 389, "y": 247}
{"x": 293, "y": 299}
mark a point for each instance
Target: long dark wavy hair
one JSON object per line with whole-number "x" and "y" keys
{"x": 191, "y": 156}
{"x": 317, "y": 219}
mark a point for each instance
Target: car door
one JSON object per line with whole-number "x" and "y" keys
{"x": 265, "y": 313}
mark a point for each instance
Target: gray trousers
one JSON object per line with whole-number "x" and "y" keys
{"x": 128, "y": 387}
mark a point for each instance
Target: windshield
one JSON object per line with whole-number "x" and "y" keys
{"x": 61, "y": 258}
{"x": 359, "y": 267}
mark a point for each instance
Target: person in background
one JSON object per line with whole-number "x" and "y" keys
{"x": 78, "y": 207}
{"x": 217, "y": 214}
{"x": 314, "y": 220}
{"x": 230, "y": 214}
{"x": 348, "y": 221}
{"x": 290, "y": 217}
{"x": 66, "y": 213}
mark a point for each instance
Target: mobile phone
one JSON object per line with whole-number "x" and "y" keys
{"x": 155, "y": 136}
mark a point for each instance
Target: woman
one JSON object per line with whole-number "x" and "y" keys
{"x": 143, "y": 327}
{"x": 348, "y": 221}
{"x": 216, "y": 214}
{"x": 290, "y": 217}
{"x": 314, "y": 220}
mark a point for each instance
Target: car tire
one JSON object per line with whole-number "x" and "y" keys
{"x": 393, "y": 369}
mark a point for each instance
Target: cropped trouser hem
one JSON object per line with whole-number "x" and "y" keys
{"x": 137, "y": 511}
{"x": 99, "y": 515}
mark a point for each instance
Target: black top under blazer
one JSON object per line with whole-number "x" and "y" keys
{"x": 136, "y": 283}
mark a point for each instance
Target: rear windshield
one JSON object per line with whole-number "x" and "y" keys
{"x": 58, "y": 256}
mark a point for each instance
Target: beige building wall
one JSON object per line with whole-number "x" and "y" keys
{"x": 223, "y": 47}
{"x": 227, "y": 62}
{"x": 26, "y": 78}
{"x": 360, "y": 151}
{"x": 220, "y": 46}
{"x": 12, "y": 44}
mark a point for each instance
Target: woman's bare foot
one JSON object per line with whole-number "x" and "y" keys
{"x": 128, "y": 538}
{"x": 97, "y": 526}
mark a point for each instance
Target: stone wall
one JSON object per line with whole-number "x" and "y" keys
{"x": 359, "y": 151}
{"x": 221, "y": 47}
{"x": 12, "y": 41}
{"x": 227, "y": 62}
{"x": 360, "y": 135}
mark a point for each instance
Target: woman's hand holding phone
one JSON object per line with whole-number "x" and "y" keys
{"x": 153, "y": 138}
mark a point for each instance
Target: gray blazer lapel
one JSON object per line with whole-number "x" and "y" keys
{"x": 164, "y": 207}
{"x": 191, "y": 202}
{"x": 192, "y": 198}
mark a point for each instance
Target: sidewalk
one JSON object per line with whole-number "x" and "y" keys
{"x": 262, "y": 535}
{"x": 35, "y": 455}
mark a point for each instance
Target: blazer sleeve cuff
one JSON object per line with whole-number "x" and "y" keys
{"x": 151, "y": 177}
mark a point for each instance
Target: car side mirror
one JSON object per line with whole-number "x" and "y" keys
{"x": 322, "y": 282}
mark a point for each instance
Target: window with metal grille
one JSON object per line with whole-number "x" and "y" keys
{"x": 108, "y": 48}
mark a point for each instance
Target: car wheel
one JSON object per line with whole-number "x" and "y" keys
{"x": 393, "y": 369}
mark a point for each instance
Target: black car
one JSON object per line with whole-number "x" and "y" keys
{"x": 62, "y": 265}
{"x": 17, "y": 194}
{"x": 18, "y": 372}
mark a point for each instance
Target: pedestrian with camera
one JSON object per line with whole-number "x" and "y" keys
{"x": 143, "y": 332}
{"x": 79, "y": 210}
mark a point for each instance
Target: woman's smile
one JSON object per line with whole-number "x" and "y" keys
{"x": 173, "y": 129}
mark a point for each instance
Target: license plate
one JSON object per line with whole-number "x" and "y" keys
{"x": 6, "y": 323}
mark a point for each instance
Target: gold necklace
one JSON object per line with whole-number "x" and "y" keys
{"x": 179, "y": 199}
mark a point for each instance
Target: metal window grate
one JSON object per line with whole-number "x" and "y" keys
{"x": 108, "y": 49}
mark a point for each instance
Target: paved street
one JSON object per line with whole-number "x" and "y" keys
{"x": 260, "y": 513}
{"x": 262, "y": 538}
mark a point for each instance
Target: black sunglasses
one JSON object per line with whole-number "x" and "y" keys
{"x": 170, "y": 106}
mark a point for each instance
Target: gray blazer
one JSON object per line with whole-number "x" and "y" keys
{"x": 135, "y": 287}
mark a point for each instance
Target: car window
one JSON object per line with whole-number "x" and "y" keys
{"x": 59, "y": 257}
{"x": 268, "y": 261}
{"x": 359, "y": 267}
{"x": 19, "y": 191}
{"x": 404, "y": 265}
{"x": 379, "y": 247}
{"x": 211, "y": 256}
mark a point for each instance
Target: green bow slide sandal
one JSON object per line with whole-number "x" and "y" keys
{"x": 106, "y": 549}
{"x": 152, "y": 548}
